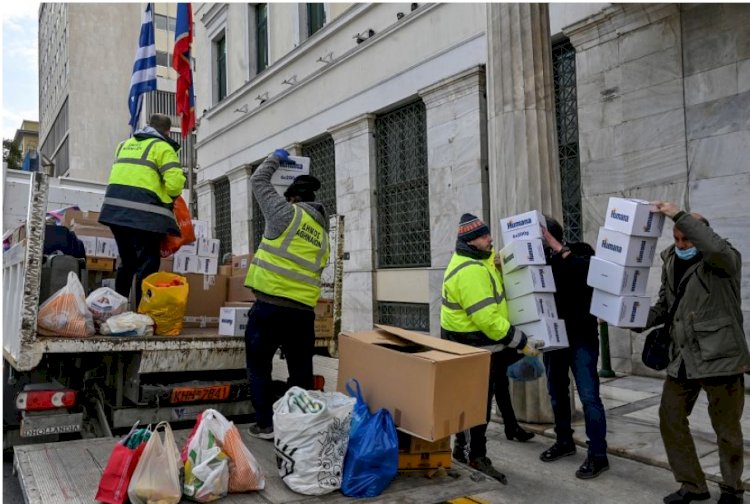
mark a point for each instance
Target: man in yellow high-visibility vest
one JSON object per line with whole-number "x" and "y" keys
{"x": 145, "y": 179}
{"x": 285, "y": 276}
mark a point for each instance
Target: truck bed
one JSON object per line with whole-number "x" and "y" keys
{"x": 69, "y": 472}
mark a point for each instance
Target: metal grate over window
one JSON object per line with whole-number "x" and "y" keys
{"x": 223, "y": 216}
{"x": 566, "y": 108}
{"x": 412, "y": 316}
{"x": 402, "y": 190}
{"x": 323, "y": 166}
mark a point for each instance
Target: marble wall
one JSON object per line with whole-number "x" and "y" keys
{"x": 664, "y": 113}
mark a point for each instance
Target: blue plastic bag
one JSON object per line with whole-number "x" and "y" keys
{"x": 526, "y": 369}
{"x": 371, "y": 460}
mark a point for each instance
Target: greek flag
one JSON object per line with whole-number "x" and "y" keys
{"x": 144, "y": 67}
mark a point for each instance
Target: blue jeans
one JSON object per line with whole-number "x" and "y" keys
{"x": 268, "y": 328}
{"x": 581, "y": 358}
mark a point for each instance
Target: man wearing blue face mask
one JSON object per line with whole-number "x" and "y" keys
{"x": 701, "y": 275}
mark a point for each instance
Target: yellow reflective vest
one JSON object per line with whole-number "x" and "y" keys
{"x": 290, "y": 265}
{"x": 474, "y": 301}
{"x": 146, "y": 176}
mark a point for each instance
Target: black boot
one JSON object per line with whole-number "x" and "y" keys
{"x": 519, "y": 434}
{"x": 557, "y": 451}
{"x": 592, "y": 467}
{"x": 459, "y": 453}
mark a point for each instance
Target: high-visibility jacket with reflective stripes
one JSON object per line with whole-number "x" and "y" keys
{"x": 290, "y": 265}
{"x": 145, "y": 177}
{"x": 474, "y": 301}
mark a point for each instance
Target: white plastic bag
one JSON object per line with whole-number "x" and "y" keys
{"x": 207, "y": 466}
{"x": 310, "y": 446}
{"x": 128, "y": 324}
{"x": 65, "y": 312}
{"x": 105, "y": 302}
{"x": 156, "y": 479}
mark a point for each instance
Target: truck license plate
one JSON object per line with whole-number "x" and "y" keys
{"x": 33, "y": 426}
{"x": 194, "y": 394}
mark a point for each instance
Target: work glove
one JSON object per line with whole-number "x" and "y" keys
{"x": 281, "y": 154}
{"x": 532, "y": 347}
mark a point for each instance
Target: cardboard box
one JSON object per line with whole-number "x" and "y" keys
{"x": 240, "y": 264}
{"x": 531, "y": 307}
{"x": 100, "y": 264}
{"x": 89, "y": 243}
{"x": 225, "y": 270}
{"x": 208, "y": 265}
{"x": 236, "y": 290}
{"x": 550, "y": 330}
{"x": 200, "y": 321}
{"x": 166, "y": 264}
{"x": 633, "y": 217}
{"x": 208, "y": 247}
{"x": 324, "y": 327}
{"x": 91, "y": 230}
{"x": 201, "y": 229}
{"x": 616, "y": 279}
{"x": 288, "y": 171}
{"x": 525, "y": 226}
{"x": 206, "y": 296}
{"x": 186, "y": 263}
{"x": 520, "y": 253}
{"x": 233, "y": 321}
{"x": 106, "y": 247}
{"x": 189, "y": 249}
{"x": 432, "y": 387}
{"x": 625, "y": 250}
{"x": 527, "y": 280}
{"x": 239, "y": 304}
{"x": 423, "y": 461}
{"x": 413, "y": 444}
{"x": 620, "y": 311}
{"x": 324, "y": 308}
{"x": 72, "y": 217}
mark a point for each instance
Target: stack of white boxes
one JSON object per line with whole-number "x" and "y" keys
{"x": 201, "y": 256}
{"x": 528, "y": 282}
{"x": 625, "y": 250}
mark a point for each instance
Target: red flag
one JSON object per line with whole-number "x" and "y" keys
{"x": 181, "y": 62}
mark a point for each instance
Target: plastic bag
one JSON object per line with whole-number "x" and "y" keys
{"x": 65, "y": 312}
{"x": 113, "y": 485}
{"x": 170, "y": 244}
{"x": 105, "y": 302}
{"x": 165, "y": 298}
{"x": 526, "y": 369}
{"x": 128, "y": 324}
{"x": 372, "y": 458}
{"x": 310, "y": 447}
{"x": 207, "y": 465}
{"x": 156, "y": 479}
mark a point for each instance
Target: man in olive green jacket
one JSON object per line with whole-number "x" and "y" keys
{"x": 708, "y": 352}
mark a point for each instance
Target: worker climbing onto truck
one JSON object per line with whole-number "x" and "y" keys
{"x": 285, "y": 276}
{"x": 474, "y": 312}
{"x": 145, "y": 179}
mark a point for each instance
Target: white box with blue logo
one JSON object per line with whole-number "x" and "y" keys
{"x": 531, "y": 307}
{"x": 525, "y": 226}
{"x": 520, "y": 253}
{"x": 288, "y": 171}
{"x": 617, "y": 279}
{"x": 550, "y": 330}
{"x": 633, "y": 217}
{"x": 527, "y": 280}
{"x": 624, "y": 249}
{"x": 620, "y": 311}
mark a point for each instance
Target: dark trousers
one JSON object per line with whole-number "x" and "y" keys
{"x": 139, "y": 256}
{"x": 498, "y": 388}
{"x": 581, "y": 358}
{"x": 268, "y": 328}
{"x": 726, "y": 398}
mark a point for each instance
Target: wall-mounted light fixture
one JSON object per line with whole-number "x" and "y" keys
{"x": 290, "y": 81}
{"x": 361, "y": 37}
{"x": 262, "y": 98}
{"x": 326, "y": 59}
{"x": 414, "y": 6}
{"x": 399, "y": 15}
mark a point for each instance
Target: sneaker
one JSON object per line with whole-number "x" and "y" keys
{"x": 557, "y": 451}
{"x": 592, "y": 467}
{"x": 484, "y": 465}
{"x": 260, "y": 432}
{"x": 683, "y": 496}
{"x": 459, "y": 454}
{"x": 728, "y": 498}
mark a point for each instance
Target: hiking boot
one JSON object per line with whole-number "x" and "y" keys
{"x": 459, "y": 454}
{"x": 592, "y": 467}
{"x": 557, "y": 451}
{"x": 484, "y": 465}
{"x": 683, "y": 496}
{"x": 260, "y": 432}
{"x": 728, "y": 498}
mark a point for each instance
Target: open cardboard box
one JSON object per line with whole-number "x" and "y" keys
{"x": 432, "y": 387}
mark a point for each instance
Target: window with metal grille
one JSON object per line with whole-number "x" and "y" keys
{"x": 316, "y": 17}
{"x": 412, "y": 316}
{"x": 223, "y": 216}
{"x": 323, "y": 166}
{"x": 261, "y": 36}
{"x": 402, "y": 191}
{"x": 220, "y": 48}
{"x": 566, "y": 108}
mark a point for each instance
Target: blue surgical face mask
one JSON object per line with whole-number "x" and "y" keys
{"x": 686, "y": 254}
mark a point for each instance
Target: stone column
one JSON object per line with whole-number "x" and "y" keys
{"x": 456, "y": 154}
{"x": 240, "y": 196}
{"x": 205, "y": 195}
{"x": 523, "y": 162}
{"x": 354, "y": 144}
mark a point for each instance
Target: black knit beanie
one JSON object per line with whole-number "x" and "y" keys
{"x": 471, "y": 227}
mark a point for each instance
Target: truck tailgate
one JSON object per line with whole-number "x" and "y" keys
{"x": 69, "y": 472}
